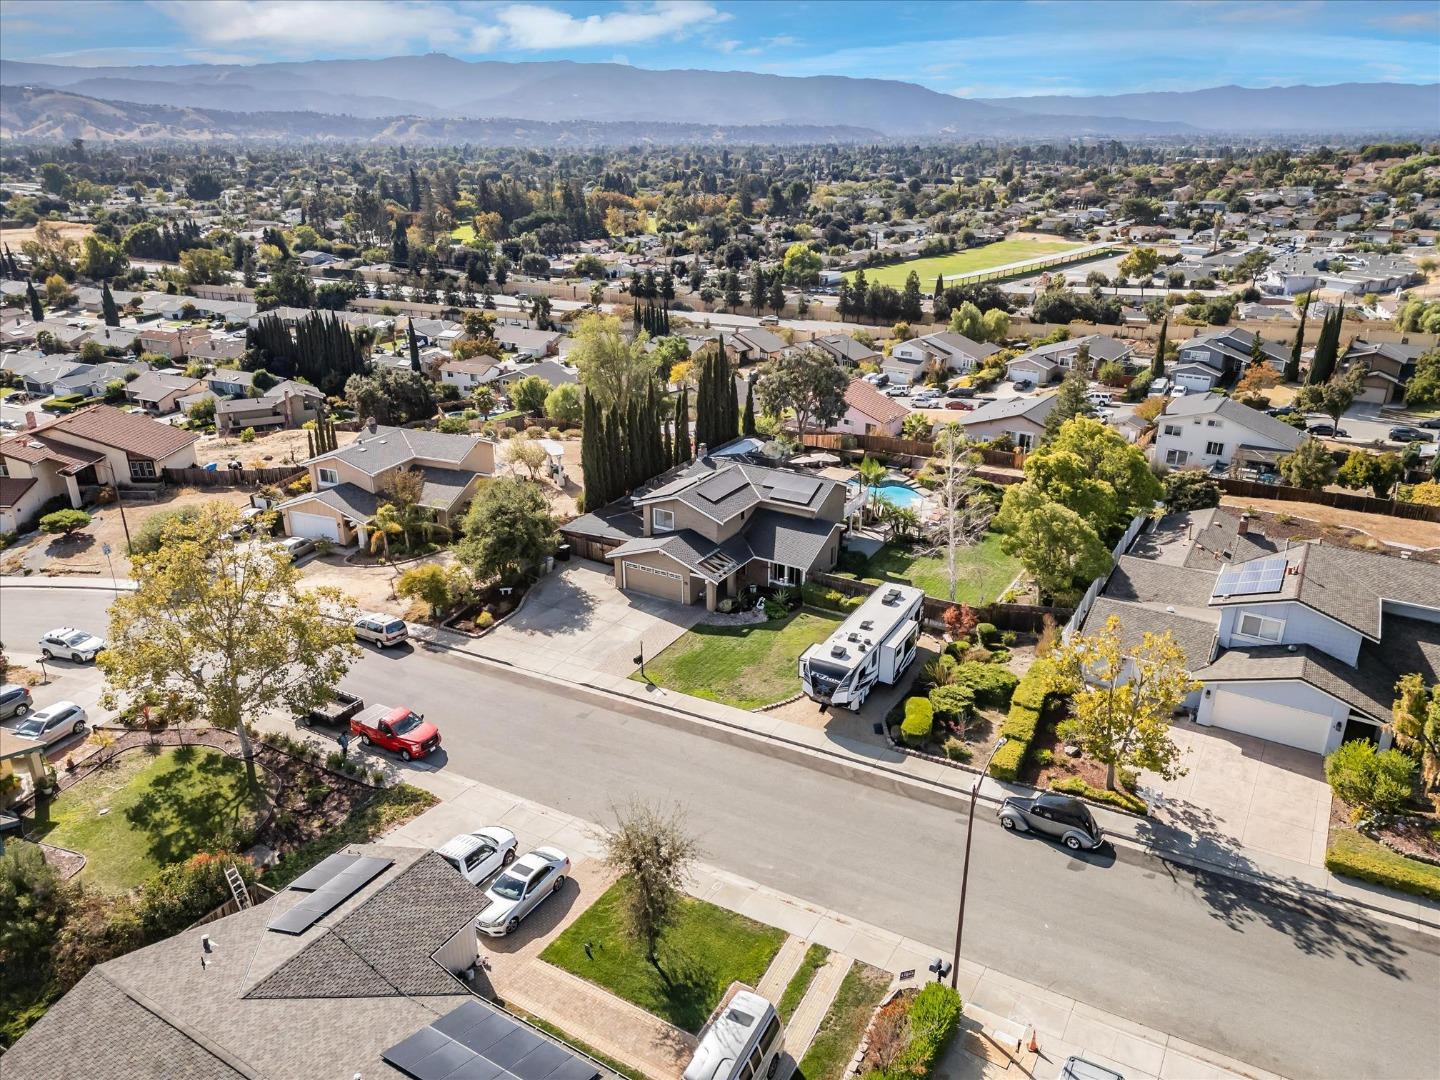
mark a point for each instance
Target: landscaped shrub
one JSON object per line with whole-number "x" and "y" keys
{"x": 933, "y": 1017}
{"x": 954, "y": 702}
{"x": 919, "y": 721}
{"x": 1027, "y": 703}
{"x": 1074, "y": 785}
{"x": 1356, "y": 855}
{"x": 147, "y": 537}
{"x": 991, "y": 684}
{"x": 1368, "y": 780}
{"x": 985, "y": 633}
{"x": 957, "y": 750}
{"x": 178, "y": 895}
{"x": 1000, "y": 656}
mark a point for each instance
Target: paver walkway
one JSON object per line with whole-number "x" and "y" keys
{"x": 820, "y": 995}
{"x": 782, "y": 969}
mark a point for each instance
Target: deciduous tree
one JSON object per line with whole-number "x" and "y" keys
{"x": 653, "y": 853}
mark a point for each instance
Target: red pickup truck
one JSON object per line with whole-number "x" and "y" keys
{"x": 401, "y": 730}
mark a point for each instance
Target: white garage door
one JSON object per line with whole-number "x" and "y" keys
{"x": 652, "y": 581}
{"x": 1278, "y": 723}
{"x": 1374, "y": 394}
{"x": 314, "y": 526}
{"x": 1194, "y": 382}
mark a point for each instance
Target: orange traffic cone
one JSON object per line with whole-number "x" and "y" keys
{"x": 1034, "y": 1046}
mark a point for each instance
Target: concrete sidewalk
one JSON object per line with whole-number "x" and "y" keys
{"x": 1003, "y": 1006}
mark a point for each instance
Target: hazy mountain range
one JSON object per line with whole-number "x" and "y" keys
{"x": 438, "y": 97}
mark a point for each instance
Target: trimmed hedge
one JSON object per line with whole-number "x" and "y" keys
{"x": 919, "y": 720}
{"x": 1041, "y": 683}
{"x": 817, "y": 596}
{"x": 992, "y": 684}
{"x": 1121, "y": 800}
{"x": 933, "y": 1014}
{"x": 954, "y": 701}
{"x": 1353, "y": 854}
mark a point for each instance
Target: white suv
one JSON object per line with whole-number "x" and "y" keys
{"x": 382, "y": 630}
{"x": 67, "y": 643}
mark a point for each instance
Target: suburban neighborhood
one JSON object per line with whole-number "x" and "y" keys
{"x": 617, "y": 600}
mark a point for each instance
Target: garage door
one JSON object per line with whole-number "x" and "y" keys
{"x": 1193, "y": 382}
{"x": 314, "y": 526}
{"x": 1375, "y": 394}
{"x": 1278, "y": 723}
{"x": 653, "y": 582}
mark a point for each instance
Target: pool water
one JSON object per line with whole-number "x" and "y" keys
{"x": 897, "y": 494}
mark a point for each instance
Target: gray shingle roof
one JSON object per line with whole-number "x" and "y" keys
{"x": 786, "y": 539}
{"x": 1147, "y": 581}
{"x": 1195, "y": 636}
{"x": 1267, "y": 427}
{"x": 350, "y": 499}
{"x": 387, "y": 447}
{"x": 1361, "y": 689}
{"x": 1033, "y": 408}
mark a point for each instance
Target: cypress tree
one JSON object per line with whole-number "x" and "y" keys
{"x": 1292, "y": 365}
{"x": 939, "y": 286}
{"x": 36, "y": 311}
{"x": 108, "y": 310}
{"x": 682, "y": 427}
{"x": 1157, "y": 366}
{"x": 747, "y": 425}
{"x": 702, "y": 397}
{"x": 590, "y": 439}
{"x": 414, "y": 346}
{"x": 1327, "y": 348}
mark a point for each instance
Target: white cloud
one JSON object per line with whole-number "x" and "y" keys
{"x": 532, "y": 26}
{"x": 301, "y": 26}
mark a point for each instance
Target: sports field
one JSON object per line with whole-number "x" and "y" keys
{"x": 1000, "y": 253}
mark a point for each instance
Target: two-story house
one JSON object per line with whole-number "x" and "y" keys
{"x": 1046, "y": 363}
{"x": 1388, "y": 367}
{"x": 1204, "y": 361}
{"x": 348, "y": 484}
{"x": 75, "y": 455}
{"x": 724, "y": 526}
{"x": 869, "y": 412}
{"x": 1200, "y": 431}
{"x": 287, "y": 405}
{"x": 468, "y": 374}
{"x": 946, "y": 352}
{"x": 1299, "y": 643}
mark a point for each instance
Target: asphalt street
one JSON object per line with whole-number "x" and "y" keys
{"x": 1294, "y": 985}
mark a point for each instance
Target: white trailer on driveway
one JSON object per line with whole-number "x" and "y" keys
{"x": 875, "y": 644}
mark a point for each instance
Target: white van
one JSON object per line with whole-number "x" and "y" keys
{"x": 745, "y": 1041}
{"x": 381, "y": 629}
{"x": 1159, "y": 387}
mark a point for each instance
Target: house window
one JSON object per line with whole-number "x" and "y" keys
{"x": 1212, "y": 423}
{"x": 1172, "y": 429}
{"x": 785, "y": 575}
{"x": 662, "y": 520}
{"x": 1260, "y": 627}
{"x": 1176, "y": 457}
{"x": 328, "y": 477}
{"x": 1023, "y": 439}
{"x": 142, "y": 470}
{"x": 1214, "y": 449}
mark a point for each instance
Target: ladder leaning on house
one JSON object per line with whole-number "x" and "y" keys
{"x": 237, "y": 887}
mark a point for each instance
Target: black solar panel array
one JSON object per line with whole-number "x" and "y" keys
{"x": 330, "y": 894}
{"x": 323, "y": 871}
{"x": 478, "y": 1043}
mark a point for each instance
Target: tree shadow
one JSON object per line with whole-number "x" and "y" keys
{"x": 197, "y": 805}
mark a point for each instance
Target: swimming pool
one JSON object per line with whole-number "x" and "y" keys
{"x": 897, "y": 494}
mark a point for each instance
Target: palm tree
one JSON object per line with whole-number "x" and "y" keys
{"x": 385, "y": 524}
{"x": 871, "y": 473}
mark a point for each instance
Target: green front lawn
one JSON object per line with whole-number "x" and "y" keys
{"x": 984, "y": 570}
{"x": 146, "y": 812}
{"x": 840, "y": 1032}
{"x": 973, "y": 260}
{"x": 706, "y": 950}
{"x": 1353, "y": 854}
{"x": 745, "y": 666}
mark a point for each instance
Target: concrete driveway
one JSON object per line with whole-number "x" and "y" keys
{"x": 576, "y": 621}
{"x": 1245, "y": 792}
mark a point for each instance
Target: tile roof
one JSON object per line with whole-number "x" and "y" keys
{"x": 137, "y": 435}
{"x": 34, "y": 447}
{"x": 862, "y": 396}
{"x": 13, "y": 488}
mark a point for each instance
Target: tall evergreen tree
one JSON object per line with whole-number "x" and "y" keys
{"x": 939, "y": 286}
{"x": 414, "y": 345}
{"x": 1292, "y": 363}
{"x": 591, "y": 447}
{"x": 399, "y": 246}
{"x": 1157, "y": 365}
{"x": 109, "y": 312}
{"x": 682, "y": 426}
{"x": 36, "y": 311}
{"x": 1327, "y": 348}
{"x": 747, "y": 424}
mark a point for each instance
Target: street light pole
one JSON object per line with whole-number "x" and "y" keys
{"x": 965, "y": 874}
{"x": 119, "y": 502}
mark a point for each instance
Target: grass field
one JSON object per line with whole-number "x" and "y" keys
{"x": 145, "y": 813}
{"x": 745, "y": 666}
{"x": 706, "y": 950}
{"x": 985, "y": 571}
{"x": 1001, "y": 253}
{"x": 463, "y": 233}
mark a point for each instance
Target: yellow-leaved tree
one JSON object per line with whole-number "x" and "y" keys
{"x": 223, "y": 633}
{"x": 1124, "y": 698}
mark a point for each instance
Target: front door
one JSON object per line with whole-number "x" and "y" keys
{"x": 1359, "y": 730}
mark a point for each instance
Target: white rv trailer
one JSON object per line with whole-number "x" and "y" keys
{"x": 875, "y": 644}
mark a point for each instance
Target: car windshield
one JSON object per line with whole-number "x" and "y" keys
{"x": 34, "y": 726}
{"x": 394, "y": 627}
{"x": 509, "y": 887}
{"x": 74, "y": 638}
{"x": 406, "y": 724}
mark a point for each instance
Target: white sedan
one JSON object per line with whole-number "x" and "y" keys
{"x": 521, "y": 889}
{"x": 67, "y": 643}
{"x": 479, "y": 854}
{"x": 53, "y": 723}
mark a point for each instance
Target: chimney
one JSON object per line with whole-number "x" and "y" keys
{"x": 1242, "y": 527}
{"x": 701, "y": 451}
{"x": 370, "y": 424}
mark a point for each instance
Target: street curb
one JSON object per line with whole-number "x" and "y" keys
{"x": 881, "y": 777}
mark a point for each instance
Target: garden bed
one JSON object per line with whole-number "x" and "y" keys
{"x": 486, "y": 610}
{"x": 1352, "y": 854}
{"x": 835, "y": 1044}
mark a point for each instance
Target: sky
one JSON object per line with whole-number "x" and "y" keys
{"x": 975, "y": 49}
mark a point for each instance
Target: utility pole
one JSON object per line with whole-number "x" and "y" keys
{"x": 965, "y": 874}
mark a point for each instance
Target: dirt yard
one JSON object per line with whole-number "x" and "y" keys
{"x": 1392, "y": 530}
{"x": 369, "y": 586}
{"x": 270, "y": 451}
{"x": 84, "y": 552}
{"x": 70, "y": 230}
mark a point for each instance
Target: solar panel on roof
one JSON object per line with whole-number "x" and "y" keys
{"x": 722, "y": 486}
{"x": 323, "y": 871}
{"x": 330, "y": 895}
{"x": 1252, "y": 578}
{"x": 794, "y": 489}
{"x": 474, "y": 1042}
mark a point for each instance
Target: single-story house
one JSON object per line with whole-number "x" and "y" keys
{"x": 1046, "y": 363}
{"x": 869, "y": 412}
{"x": 159, "y": 392}
{"x": 1022, "y": 418}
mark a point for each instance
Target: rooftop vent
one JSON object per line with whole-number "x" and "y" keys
{"x": 867, "y": 624}
{"x": 837, "y": 651}
{"x": 892, "y": 597}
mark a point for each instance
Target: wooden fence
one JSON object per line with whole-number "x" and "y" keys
{"x": 1249, "y": 489}
{"x": 882, "y": 444}
{"x": 233, "y": 477}
{"x": 1022, "y": 618}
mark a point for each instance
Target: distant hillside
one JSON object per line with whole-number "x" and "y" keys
{"x": 1347, "y": 107}
{"x": 440, "y": 86}
{"x": 39, "y": 115}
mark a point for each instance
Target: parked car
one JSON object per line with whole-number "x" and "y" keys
{"x": 1280, "y": 410}
{"x": 1432, "y": 424}
{"x": 402, "y": 731}
{"x": 896, "y": 391}
{"x": 382, "y": 630}
{"x": 1406, "y": 434}
{"x": 520, "y": 889}
{"x": 249, "y": 521}
{"x": 1077, "y": 1068}
{"x": 67, "y": 643}
{"x": 1328, "y": 430}
{"x": 295, "y": 547}
{"x": 769, "y": 320}
{"x": 964, "y": 406}
{"x": 53, "y": 723}
{"x": 1023, "y": 384}
{"x": 1067, "y": 819}
{"x": 479, "y": 854}
{"x": 14, "y": 701}
{"x": 960, "y": 392}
